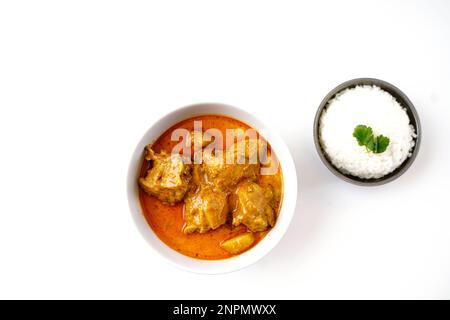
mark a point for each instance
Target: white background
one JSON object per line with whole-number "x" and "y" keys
{"x": 81, "y": 81}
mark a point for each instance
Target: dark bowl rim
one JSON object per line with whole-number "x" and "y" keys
{"x": 404, "y": 102}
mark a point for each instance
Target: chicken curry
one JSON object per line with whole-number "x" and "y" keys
{"x": 214, "y": 209}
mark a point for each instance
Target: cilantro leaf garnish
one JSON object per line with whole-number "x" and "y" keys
{"x": 363, "y": 134}
{"x": 365, "y": 137}
{"x": 382, "y": 143}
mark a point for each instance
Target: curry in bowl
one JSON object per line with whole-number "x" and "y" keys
{"x": 211, "y": 192}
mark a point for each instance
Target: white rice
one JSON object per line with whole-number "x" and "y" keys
{"x": 375, "y": 108}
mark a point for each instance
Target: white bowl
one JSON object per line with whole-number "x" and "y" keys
{"x": 267, "y": 243}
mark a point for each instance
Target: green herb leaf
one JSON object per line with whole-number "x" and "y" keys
{"x": 364, "y": 136}
{"x": 382, "y": 144}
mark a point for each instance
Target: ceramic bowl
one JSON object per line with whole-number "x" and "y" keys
{"x": 404, "y": 102}
{"x": 262, "y": 248}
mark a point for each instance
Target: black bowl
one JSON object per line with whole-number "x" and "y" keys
{"x": 404, "y": 102}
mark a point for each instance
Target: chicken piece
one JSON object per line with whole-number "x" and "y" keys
{"x": 251, "y": 206}
{"x": 273, "y": 181}
{"x": 246, "y": 149}
{"x": 239, "y": 243}
{"x": 198, "y": 177}
{"x": 226, "y": 176}
{"x": 204, "y": 210}
{"x": 196, "y": 141}
{"x": 169, "y": 177}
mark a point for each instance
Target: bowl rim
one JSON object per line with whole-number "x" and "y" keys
{"x": 404, "y": 101}
{"x": 247, "y": 258}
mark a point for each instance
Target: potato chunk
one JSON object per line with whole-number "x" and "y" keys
{"x": 239, "y": 243}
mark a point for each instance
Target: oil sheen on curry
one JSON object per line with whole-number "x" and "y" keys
{"x": 213, "y": 208}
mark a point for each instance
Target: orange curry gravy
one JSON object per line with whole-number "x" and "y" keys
{"x": 167, "y": 220}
